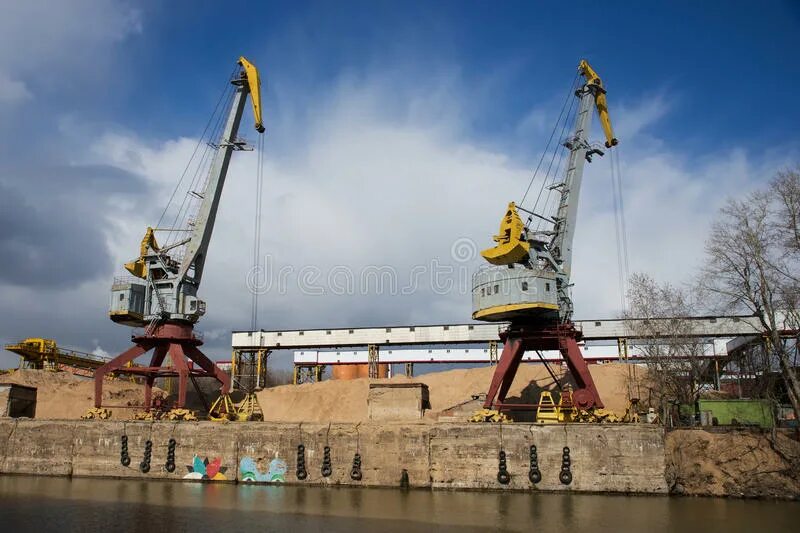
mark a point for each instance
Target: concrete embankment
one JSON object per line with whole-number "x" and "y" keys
{"x": 603, "y": 458}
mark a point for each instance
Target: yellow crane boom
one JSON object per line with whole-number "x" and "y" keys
{"x": 254, "y": 82}
{"x": 599, "y": 101}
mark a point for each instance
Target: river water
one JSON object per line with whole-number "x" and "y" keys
{"x": 61, "y": 504}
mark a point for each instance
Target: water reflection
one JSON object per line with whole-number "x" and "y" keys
{"x": 83, "y": 504}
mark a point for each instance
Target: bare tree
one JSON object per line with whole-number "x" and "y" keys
{"x": 753, "y": 265}
{"x": 676, "y": 368}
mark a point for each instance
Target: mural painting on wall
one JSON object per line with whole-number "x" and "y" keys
{"x": 249, "y": 471}
{"x": 205, "y": 469}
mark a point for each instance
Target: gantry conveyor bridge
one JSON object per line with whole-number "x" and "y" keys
{"x": 251, "y": 348}
{"x": 476, "y": 333}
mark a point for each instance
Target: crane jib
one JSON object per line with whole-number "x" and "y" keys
{"x": 540, "y": 291}
{"x": 170, "y": 275}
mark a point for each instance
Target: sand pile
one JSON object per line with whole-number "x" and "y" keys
{"x": 64, "y": 396}
{"x": 61, "y": 395}
{"x": 739, "y": 463}
{"x": 346, "y": 401}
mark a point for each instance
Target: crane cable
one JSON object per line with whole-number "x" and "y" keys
{"x": 620, "y": 228}
{"x": 192, "y": 196}
{"x": 200, "y": 141}
{"x": 257, "y": 270}
{"x": 549, "y": 178}
{"x": 549, "y": 140}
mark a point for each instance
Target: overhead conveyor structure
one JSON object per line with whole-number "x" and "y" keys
{"x": 593, "y": 330}
{"x": 461, "y": 343}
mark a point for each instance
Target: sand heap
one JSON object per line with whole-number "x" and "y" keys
{"x": 346, "y": 401}
{"x": 64, "y": 396}
{"x": 740, "y": 463}
{"x": 61, "y": 395}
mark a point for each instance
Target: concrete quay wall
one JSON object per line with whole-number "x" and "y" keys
{"x": 603, "y": 458}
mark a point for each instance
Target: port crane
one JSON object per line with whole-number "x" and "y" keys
{"x": 161, "y": 293}
{"x": 527, "y": 282}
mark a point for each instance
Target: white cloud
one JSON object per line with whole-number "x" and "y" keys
{"x": 380, "y": 174}
{"x": 630, "y": 120}
{"x": 100, "y": 352}
{"x": 12, "y": 91}
{"x": 394, "y": 189}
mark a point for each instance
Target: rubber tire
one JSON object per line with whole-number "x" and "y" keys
{"x": 144, "y": 467}
{"x": 170, "y": 466}
{"x": 565, "y": 477}
{"x": 302, "y": 475}
{"x": 327, "y": 471}
{"x": 355, "y": 474}
{"x": 535, "y": 476}
{"x": 503, "y": 477}
{"x": 125, "y": 460}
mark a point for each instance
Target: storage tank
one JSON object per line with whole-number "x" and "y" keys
{"x": 345, "y": 371}
{"x": 357, "y": 371}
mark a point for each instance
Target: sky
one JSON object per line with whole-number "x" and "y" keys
{"x": 396, "y": 134}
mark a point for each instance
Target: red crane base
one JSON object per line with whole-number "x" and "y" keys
{"x": 563, "y": 337}
{"x": 179, "y": 342}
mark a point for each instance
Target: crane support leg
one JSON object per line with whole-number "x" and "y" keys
{"x": 156, "y": 361}
{"x": 505, "y": 371}
{"x": 177, "y": 340}
{"x": 178, "y": 357}
{"x": 118, "y": 362}
{"x": 518, "y": 339}
{"x": 210, "y": 368}
{"x": 585, "y": 393}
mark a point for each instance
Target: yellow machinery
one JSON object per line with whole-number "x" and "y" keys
{"x": 550, "y": 412}
{"x": 249, "y": 409}
{"x": 510, "y": 248}
{"x": 547, "y": 412}
{"x": 97, "y": 413}
{"x": 224, "y": 409}
{"x": 489, "y": 415}
{"x": 45, "y": 354}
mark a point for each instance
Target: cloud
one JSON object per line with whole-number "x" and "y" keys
{"x": 12, "y": 91}
{"x": 633, "y": 119}
{"x": 378, "y": 170}
{"x": 52, "y": 223}
{"x": 100, "y": 352}
{"x": 367, "y": 192}
{"x": 42, "y": 42}
{"x": 379, "y": 185}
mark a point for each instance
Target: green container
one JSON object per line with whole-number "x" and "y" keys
{"x": 746, "y": 412}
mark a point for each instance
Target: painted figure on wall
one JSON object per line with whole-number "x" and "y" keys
{"x": 205, "y": 469}
{"x": 249, "y": 471}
